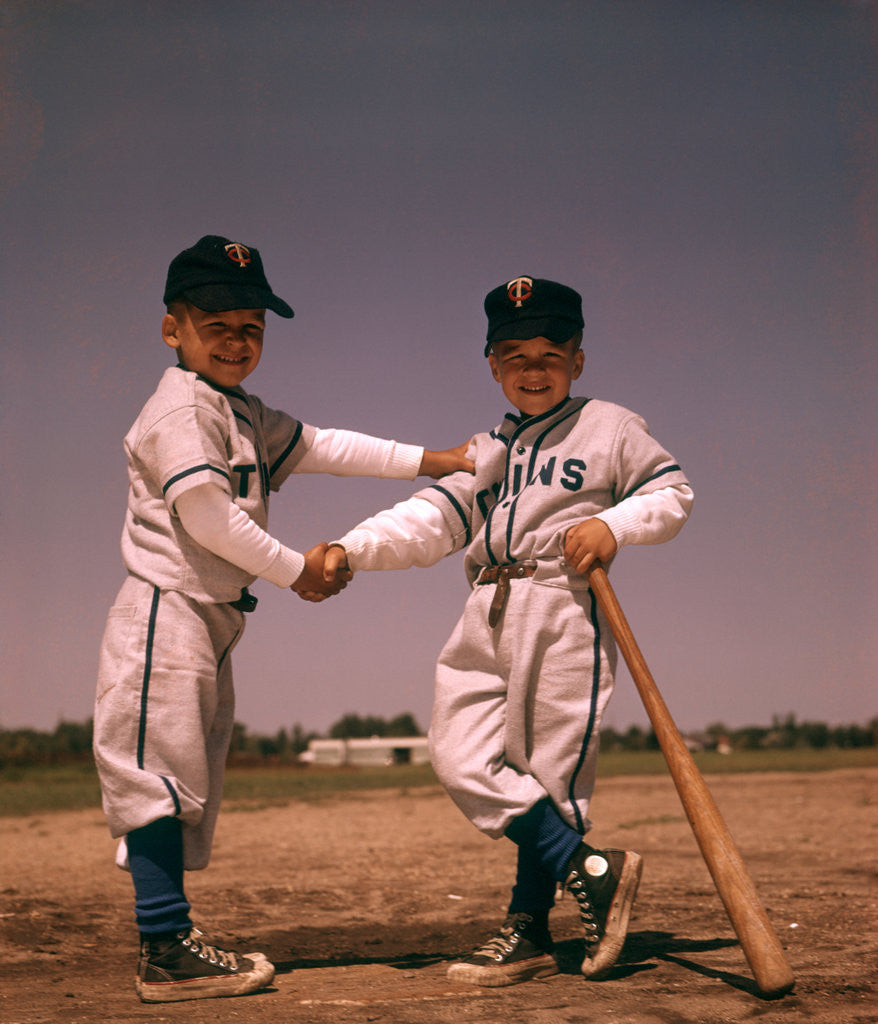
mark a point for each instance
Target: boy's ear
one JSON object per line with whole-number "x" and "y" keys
{"x": 495, "y": 366}
{"x": 170, "y": 330}
{"x": 578, "y": 363}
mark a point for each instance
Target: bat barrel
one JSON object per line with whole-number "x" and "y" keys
{"x": 758, "y": 939}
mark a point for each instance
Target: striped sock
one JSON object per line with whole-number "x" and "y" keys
{"x": 548, "y": 836}
{"x": 155, "y": 855}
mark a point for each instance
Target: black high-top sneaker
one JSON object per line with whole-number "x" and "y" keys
{"x": 188, "y": 966}
{"x": 521, "y": 950}
{"x": 604, "y": 884}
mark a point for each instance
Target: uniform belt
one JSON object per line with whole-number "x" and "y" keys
{"x": 246, "y": 602}
{"x": 501, "y": 575}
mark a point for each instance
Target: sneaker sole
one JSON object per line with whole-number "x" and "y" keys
{"x": 503, "y": 974}
{"x": 207, "y": 988}
{"x": 616, "y": 928}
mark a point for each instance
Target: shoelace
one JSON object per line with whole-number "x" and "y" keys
{"x": 586, "y": 911}
{"x": 215, "y": 957}
{"x": 501, "y": 944}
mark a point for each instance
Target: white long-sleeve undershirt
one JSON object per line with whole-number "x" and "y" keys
{"x": 414, "y": 532}
{"x": 349, "y": 453}
{"x": 213, "y": 520}
{"x": 649, "y": 518}
{"x": 218, "y": 524}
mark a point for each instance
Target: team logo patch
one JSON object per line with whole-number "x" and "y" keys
{"x": 595, "y": 865}
{"x": 238, "y": 253}
{"x": 520, "y": 290}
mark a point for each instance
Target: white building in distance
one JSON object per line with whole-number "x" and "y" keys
{"x": 377, "y": 750}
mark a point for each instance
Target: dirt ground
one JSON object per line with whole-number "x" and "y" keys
{"x": 361, "y": 900}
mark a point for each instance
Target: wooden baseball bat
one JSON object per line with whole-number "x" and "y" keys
{"x": 758, "y": 939}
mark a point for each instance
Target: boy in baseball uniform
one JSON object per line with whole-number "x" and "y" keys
{"x": 203, "y": 458}
{"x": 523, "y": 681}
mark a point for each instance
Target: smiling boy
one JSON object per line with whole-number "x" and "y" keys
{"x": 223, "y": 347}
{"x": 203, "y": 458}
{"x": 523, "y": 681}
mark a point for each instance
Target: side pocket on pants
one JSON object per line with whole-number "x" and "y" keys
{"x": 115, "y": 641}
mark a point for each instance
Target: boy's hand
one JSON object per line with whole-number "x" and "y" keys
{"x": 335, "y": 565}
{"x": 436, "y": 464}
{"x": 311, "y": 584}
{"x": 589, "y": 540}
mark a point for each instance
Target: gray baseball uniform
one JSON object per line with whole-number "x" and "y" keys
{"x": 165, "y": 700}
{"x": 518, "y": 707}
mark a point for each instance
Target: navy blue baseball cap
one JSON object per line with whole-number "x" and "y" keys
{"x": 531, "y": 307}
{"x": 217, "y": 274}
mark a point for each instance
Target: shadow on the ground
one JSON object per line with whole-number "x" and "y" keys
{"x": 413, "y": 948}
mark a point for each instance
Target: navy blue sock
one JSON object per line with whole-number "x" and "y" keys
{"x": 550, "y": 839}
{"x": 534, "y": 889}
{"x": 155, "y": 856}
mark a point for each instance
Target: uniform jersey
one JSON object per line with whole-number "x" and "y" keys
{"x": 519, "y": 699}
{"x": 535, "y": 478}
{"x": 192, "y": 432}
{"x": 164, "y": 710}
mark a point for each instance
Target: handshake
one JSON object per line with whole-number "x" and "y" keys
{"x": 326, "y": 573}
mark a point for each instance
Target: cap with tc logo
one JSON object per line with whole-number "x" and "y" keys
{"x": 217, "y": 274}
{"x": 531, "y": 307}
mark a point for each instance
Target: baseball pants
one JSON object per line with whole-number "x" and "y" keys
{"x": 165, "y": 711}
{"x": 517, "y": 708}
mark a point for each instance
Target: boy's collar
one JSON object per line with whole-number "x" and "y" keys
{"x": 236, "y": 391}
{"x": 522, "y": 421}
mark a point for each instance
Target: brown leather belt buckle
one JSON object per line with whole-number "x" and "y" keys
{"x": 501, "y": 575}
{"x": 500, "y": 595}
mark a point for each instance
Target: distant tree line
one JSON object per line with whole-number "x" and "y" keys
{"x": 70, "y": 742}
{"x": 784, "y": 733}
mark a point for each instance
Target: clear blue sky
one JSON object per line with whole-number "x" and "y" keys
{"x": 705, "y": 174}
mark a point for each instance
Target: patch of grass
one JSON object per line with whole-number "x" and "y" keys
{"x": 662, "y": 819}
{"x": 279, "y": 783}
{"x": 70, "y": 787}
{"x": 41, "y": 790}
{"x": 709, "y": 762}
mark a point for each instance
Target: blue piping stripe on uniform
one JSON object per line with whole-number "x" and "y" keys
{"x": 147, "y": 669}
{"x": 238, "y": 393}
{"x": 533, "y": 458}
{"x": 195, "y": 469}
{"x": 496, "y": 505}
{"x": 521, "y": 425}
{"x": 283, "y": 455}
{"x": 458, "y": 508}
{"x": 592, "y": 712}
{"x": 668, "y": 469}
{"x": 241, "y": 416}
{"x": 488, "y": 519}
{"x": 225, "y": 653}
{"x": 173, "y": 793}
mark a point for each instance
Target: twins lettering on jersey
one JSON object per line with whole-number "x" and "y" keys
{"x": 254, "y": 471}
{"x": 243, "y": 473}
{"x": 537, "y": 477}
{"x": 572, "y": 478}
